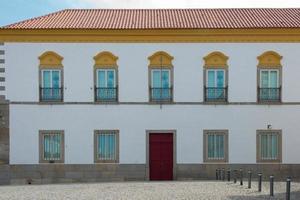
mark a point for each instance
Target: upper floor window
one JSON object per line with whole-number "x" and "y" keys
{"x": 106, "y": 71}
{"x": 215, "y": 70}
{"x": 269, "y": 145}
{"x": 51, "y": 88}
{"x": 161, "y": 77}
{"x": 269, "y": 77}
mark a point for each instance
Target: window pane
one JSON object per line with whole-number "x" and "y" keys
{"x": 165, "y": 79}
{"x": 156, "y": 83}
{"x": 269, "y": 146}
{"x": 211, "y": 78}
{"x": 55, "y": 79}
{"x": 46, "y": 79}
{"x": 215, "y": 146}
{"x": 106, "y": 146}
{"x": 273, "y": 79}
{"x": 52, "y": 146}
{"x": 111, "y": 78}
{"x": 264, "y": 79}
{"x": 220, "y": 78}
{"x": 101, "y": 78}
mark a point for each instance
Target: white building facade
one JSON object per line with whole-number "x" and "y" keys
{"x": 157, "y": 110}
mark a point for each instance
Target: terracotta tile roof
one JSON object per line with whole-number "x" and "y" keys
{"x": 164, "y": 19}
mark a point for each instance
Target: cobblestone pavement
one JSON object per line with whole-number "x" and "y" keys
{"x": 206, "y": 190}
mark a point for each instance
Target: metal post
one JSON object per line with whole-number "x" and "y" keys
{"x": 241, "y": 176}
{"x": 271, "y": 185}
{"x": 288, "y": 188}
{"x": 234, "y": 175}
{"x": 228, "y": 175}
{"x": 217, "y": 174}
{"x": 259, "y": 181}
{"x": 249, "y": 178}
{"x": 223, "y": 174}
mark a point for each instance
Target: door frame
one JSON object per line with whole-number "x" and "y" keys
{"x": 148, "y": 149}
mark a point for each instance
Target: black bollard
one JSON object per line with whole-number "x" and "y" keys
{"x": 271, "y": 185}
{"x": 259, "y": 181}
{"x": 234, "y": 175}
{"x": 241, "y": 177}
{"x": 249, "y": 178}
{"x": 288, "y": 188}
{"x": 223, "y": 174}
{"x": 228, "y": 175}
{"x": 217, "y": 174}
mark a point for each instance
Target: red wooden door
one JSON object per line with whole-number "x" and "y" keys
{"x": 161, "y": 156}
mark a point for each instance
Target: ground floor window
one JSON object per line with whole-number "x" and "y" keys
{"x": 269, "y": 146}
{"x": 51, "y": 146}
{"x": 215, "y": 145}
{"x": 106, "y": 146}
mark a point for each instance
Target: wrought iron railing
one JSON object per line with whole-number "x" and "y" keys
{"x": 51, "y": 94}
{"x": 269, "y": 94}
{"x": 108, "y": 94}
{"x": 215, "y": 94}
{"x": 161, "y": 94}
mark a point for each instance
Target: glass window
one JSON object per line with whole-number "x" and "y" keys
{"x": 269, "y": 78}
{"x": 215, "y": 145}
{"x": 269, "y": 85}
{"x": 52, "y": 146}
{"x": 106, "y": 85}
{"x": 269, "y": 146}
{"x": 51, "y": 85}
{"x": 160, "y": 84}
{"x": 215, "y": 85}
{"x": 106, "y": 146}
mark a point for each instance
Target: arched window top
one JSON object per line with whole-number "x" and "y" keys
{"x": 160, "y": 59}
{"x": 269, "y": 59}
{"x": 50, "y": 59}
{"x": 105, "y": 59}
{"x": 215, "y": 59}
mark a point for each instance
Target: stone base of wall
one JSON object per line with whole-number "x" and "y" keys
{"x": 61, "y": 173}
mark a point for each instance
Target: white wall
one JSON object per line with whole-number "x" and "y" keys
{"x": 80, "y": 121}
{"x": 22, "y": 69}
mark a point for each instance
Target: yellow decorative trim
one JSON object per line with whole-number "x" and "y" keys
{"x": 50, "y": 59}
{"x": 152, "y": 35}
{"x": 105, "y": 59}
{"x": 160, "y": 59}
{"x": 269, "y": 59}
{"x": 215, "y": 60}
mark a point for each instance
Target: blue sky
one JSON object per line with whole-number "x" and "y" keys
{"x": 16, "y": 10}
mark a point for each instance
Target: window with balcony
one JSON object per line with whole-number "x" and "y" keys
{"x": 161, "y": 77}
{"x": 51, "y": 73}
{"x": 215, "y": 72}
{"x": 106, "y": 73}
{"x": 269, "y": 77}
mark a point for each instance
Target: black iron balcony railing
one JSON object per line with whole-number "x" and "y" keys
{"x": 161, "y": 94}
{"x": 51, "y": 94}
{"x": 269, "y": 94}
{"x": 215, "y": 94}
{"x": 106, "y": 94}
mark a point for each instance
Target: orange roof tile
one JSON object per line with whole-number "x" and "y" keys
{"x": 164, "y": 19}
